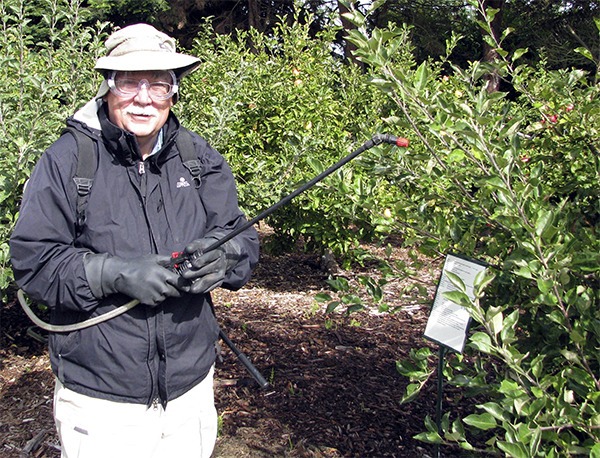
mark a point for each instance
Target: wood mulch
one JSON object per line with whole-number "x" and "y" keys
{"x": 333, "y": 386}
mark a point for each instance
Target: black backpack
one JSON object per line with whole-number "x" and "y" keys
{"x": 87, "y": 163}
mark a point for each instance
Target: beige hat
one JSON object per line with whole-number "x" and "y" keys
{"x": 141, "y": 47}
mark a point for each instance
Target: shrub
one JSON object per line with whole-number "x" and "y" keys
{"x": 512, "y": 180}
{"x": 282, "y": 108}
{"x": 41, "y": 84}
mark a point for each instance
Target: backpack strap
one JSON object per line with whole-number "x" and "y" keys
{"x": 87, "y": 163}
{"x": 190, "y": 160}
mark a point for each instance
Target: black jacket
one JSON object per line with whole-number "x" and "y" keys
{"x": 135, "y": 208}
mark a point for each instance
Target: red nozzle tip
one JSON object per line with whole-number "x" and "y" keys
{"x": 403, "y": 142}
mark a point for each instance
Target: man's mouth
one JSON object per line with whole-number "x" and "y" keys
{"x": 140, "y": 115}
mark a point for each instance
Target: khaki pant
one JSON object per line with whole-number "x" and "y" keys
{"x": 96, "y": 428}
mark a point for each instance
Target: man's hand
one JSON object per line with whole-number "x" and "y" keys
{"x": 145, "y": 279}
{"x": 208, "y": 270}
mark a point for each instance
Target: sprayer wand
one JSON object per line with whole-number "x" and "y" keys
{"x": 181, "y": 262}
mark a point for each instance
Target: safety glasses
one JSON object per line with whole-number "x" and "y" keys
{"x": 126, "y": 85}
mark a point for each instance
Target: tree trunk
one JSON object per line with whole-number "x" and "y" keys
{"x": 254, "y": 14}
{"x": 489, "y": 53}
{"x": 346, "y": 27}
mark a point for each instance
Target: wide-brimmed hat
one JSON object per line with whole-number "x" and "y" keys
{"x": 142, "y": 47}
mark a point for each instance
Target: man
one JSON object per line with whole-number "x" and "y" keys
{"x": 140, "y": 384}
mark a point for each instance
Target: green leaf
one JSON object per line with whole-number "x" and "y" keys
{"x": 316, "y": 165}
{"x": 495, "y": 319}
{"x": 570, "y": 356}
{"x": 457, "y": 297}
{"x": 518, "y": 53}
{"x": 495, "y": 182}
{"x": 537, "y": 365}
{"x": 332, "y": 306}
{"x": 514, "y": 450}
{"x": 456, "y": 281}
{"x": 482, "y": 342}
{"x": 494, "y": 409}
{"x": 411, "y": 393}
{"x": 482, "y": 280}
{"x": 430, "y": 424}
{"x": 581, "y": 376}
{"x": 351, "y": 299}
{"x": 456, "y": 155}
{"x": 510, "y": 389}
{"x": 421, "y": 76}
{"x": 585, "y": 53}
{"x": 338, "y": 284}
{"x": 545, "y": 285}
{"x": 430, "y": 437}
{"x": 411, "y": 370}
{"x": 544, "y": 221}
{"x": 482, "y": 421}
{"x": 355, "y": 308}
{"x": 523, "y": 271}
{"x": 322, "y": 297}
{"x": 466, "y": 446}
{"x": 589, "y": 262}
{"x": 508, "y": 330}
{"x": 376, "y": 4}
{"x": 595, "y": 451}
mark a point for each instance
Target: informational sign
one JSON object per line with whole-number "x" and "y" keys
{"x": 448, "y": 322}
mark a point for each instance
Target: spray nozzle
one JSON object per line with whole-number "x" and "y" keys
{"x": 391, "y": 139}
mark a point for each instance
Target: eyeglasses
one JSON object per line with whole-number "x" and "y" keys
{"x": 123, "y": 84}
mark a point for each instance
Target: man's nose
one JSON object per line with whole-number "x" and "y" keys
{"x": 143, "y": 95}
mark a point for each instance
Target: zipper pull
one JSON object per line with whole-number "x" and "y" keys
{"x": 141, "y": 168}
{"x": 155, "y": 404}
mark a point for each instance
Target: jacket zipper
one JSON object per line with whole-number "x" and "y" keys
{"x": 143, "y": 189}
{"x": 142, "y": 173}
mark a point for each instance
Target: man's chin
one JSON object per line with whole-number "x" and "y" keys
{"x": 141, "y": 130}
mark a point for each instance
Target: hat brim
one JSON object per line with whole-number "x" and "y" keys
{"x": 181, "y": 64}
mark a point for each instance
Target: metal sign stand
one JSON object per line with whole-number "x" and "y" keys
{"x": 440, "y": 396}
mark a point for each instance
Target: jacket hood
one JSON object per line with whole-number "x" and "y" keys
{"x": 88, "y": 114}
{"x": 92, "y": 119}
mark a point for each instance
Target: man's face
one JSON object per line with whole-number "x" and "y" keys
{"x": 136, "y": 111}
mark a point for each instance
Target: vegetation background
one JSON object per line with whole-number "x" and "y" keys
{"x": 500, "y": 101}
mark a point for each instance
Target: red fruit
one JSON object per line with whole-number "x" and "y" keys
{"x": 553, "y": 118}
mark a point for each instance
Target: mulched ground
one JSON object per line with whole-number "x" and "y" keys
{"x": 333, "y": 387}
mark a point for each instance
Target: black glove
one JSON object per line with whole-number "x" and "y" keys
{"x": 145, "y": 279}
{"x": 206, "y": 271}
